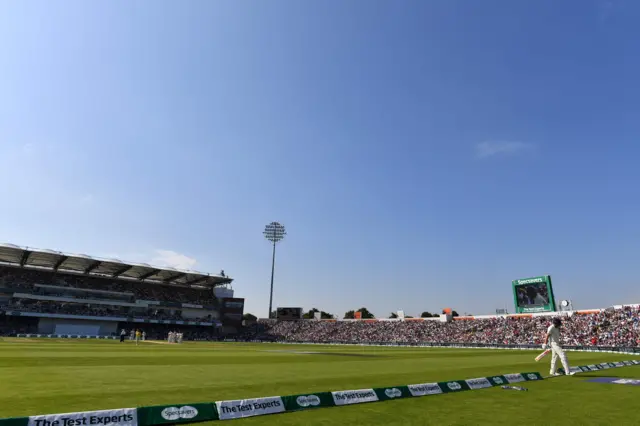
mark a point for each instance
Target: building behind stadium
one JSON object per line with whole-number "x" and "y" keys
{"x": 54, "y": 293}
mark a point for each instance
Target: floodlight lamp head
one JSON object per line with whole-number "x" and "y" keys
{"x": 274, "y": 232}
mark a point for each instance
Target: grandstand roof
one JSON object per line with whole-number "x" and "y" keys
{"x": 14, "y": 255}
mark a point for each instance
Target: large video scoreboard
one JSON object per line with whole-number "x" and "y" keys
{"x": 289, "y": 314}
{"x": 532, "y": 295}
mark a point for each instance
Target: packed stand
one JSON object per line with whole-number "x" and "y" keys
{"x": 608, "y": 328}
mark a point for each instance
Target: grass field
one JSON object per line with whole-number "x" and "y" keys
{"x": 56, "y": 376}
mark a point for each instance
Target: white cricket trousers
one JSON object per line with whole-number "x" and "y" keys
{"x": 557, "y": 352}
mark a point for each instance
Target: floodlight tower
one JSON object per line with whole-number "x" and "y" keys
{"x": 273, "y": 232}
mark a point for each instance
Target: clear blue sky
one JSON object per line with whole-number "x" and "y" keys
{"x": 422, "y": 154}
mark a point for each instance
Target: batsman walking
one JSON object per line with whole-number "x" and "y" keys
{"x": 552, "y": 341}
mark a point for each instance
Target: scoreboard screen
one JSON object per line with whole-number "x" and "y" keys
{"x": 534, "y": 295}
{"x": 288, "y": 314}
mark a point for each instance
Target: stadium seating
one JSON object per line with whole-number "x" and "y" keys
{"x": 606, "y": 328}
{"x": 45, "y": 292}
{"x": 25, "y": 279}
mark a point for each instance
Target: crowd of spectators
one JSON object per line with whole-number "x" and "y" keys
{"x": 607, "y": 328}
{"x": 94, "y": 310}
{"x": 70, "y": 292}
{"x": 25, "y": 280}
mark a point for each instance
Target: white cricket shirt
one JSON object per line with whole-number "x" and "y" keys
{"x": 554, "y": 334}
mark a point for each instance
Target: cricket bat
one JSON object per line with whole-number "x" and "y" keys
{"x": 543, "y": 354}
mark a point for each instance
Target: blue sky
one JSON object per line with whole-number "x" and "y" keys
{"x": 422, "y": 154}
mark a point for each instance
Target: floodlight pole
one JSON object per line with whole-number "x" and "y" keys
{"x": 273, "y": 232}
{"x": 273, "y": 269}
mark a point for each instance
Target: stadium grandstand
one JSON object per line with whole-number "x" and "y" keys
{"x": 53, "y": 293}
{"x": 615, "y": 328}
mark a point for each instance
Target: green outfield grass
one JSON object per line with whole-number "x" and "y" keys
{"x": 54, "y": 376}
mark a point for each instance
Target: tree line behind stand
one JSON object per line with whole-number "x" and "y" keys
{"x": 365, "y": 314}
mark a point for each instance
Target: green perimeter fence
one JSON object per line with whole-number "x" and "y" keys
{"x": 236, "y": 409}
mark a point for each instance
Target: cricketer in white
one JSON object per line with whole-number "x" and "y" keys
{"x": 552, "y": 340}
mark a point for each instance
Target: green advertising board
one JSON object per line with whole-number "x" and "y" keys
{"x": 532, "y": 295}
